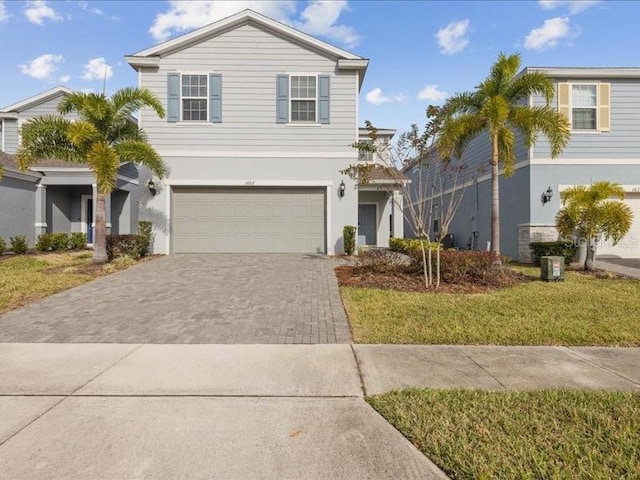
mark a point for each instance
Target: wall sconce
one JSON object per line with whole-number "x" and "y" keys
{"x": 546, "y": 196}
{"x": 341, "y": 189}
{"x": 151, "y": 186}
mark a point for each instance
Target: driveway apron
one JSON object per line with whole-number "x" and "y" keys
{"x": 255, "y": 298}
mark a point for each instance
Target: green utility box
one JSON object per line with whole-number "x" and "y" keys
{"x": 552, "y": 269}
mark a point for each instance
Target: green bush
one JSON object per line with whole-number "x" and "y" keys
{"x": 19, "y": 244}
{"x": 130, "y": 245}
{"x": 77, "y": 240}
{"x": 564, "y": 249}
{"x": 145, "y": 229}
{"x": 60, "y": 241}
{"x": 43, "y": 244}
{"x": 3, "y": 245}
{"x": 408, "y": 245}
{"x": 349, "y": 236}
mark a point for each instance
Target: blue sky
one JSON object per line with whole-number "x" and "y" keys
{"x": 419, "y": 51}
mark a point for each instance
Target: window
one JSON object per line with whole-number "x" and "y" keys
{"x": 365, "y": 156}
{"x": 584, "y": 104}
{"x": 303, "y": 99}
{"x": 194, "y": 97}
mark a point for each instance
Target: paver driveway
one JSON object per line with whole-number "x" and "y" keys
{"x": 194, "y": 299}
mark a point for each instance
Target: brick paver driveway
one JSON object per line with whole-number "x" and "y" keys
{"x": 194, "y": 299}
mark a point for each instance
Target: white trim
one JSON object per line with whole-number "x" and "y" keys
{"x": 249, "y": 182}
{"x": 377, "y": 224}
{"x": 327, "y": 222}
{"x": 139, "y": 75}
{"x": 37, "y": 99}
{"x": 587, "y": 72}
{"x": 61, "y": 169}
{"x": 626, "y": 188}
{"x": 585, "y": 161}
{"x": 182, "y": 97}
{"x": 83, "y": 215}
{"x": 305, "y": 99}
{"x": 349, "y": 154}
{"x": 303, "y": 124}
{"x": 596, "y": 107}
{"x": 10, "y": 172}
{"x": 210, "y": 30}
{"x": 40, "y": 224}
{"x": 3, "y": 127}
{"x": 357, "y": 97}
{"x": 167, "y": 246}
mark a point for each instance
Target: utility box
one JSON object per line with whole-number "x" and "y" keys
{"x": 552, "y": 269}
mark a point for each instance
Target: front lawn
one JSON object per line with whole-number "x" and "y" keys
{"x": 26, "y": 278}
{"x": 474, "y": 434}
{"x": 583, "y": 310}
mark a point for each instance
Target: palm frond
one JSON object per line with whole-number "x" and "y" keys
{"x": 457, "y": 132}
{"x": 501, "y": 74}
{"x": 104, "y": 161}
{"x": 506, "y": 149}
{"x": 143, "y": 154}
{"x": 83, "y": 134}
{"x": 547, "y": 120}
{"x": 46, "y": 137}
{"x": 127, "y": 101}
{"x": 529, "y": 84}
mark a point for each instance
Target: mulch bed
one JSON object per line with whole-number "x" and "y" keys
{"x": 398, "y": 280}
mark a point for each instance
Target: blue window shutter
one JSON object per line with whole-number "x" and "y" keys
{"x": 215, "y": 98}
{"x": 282, "y": 98}
{"x": 173, "y": 97}
{"x": 323, "y": 98}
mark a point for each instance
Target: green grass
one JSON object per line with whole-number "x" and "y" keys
{"x": 583, "y": 310}
{"x": 472, "y": 434}
{"x": 27, "y": 278}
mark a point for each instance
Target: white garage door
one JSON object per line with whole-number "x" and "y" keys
{"x": 248, "y": 220}
{"x": 629, "y": 246}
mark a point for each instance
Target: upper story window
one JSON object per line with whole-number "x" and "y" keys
{"x": 365, "y": 156}
{"x": 194, "y": 97}
{"x": 584, "y": 106}
{"x": 303, "y": 99}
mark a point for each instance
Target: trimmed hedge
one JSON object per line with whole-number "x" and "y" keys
{"x": 61, "y": 241}
{"x": 19, "y": 244}
{"x": 349, "y": 236}
{"x": 567, "y": 250}
{"x": 145, "y": 229}
{"x": 77, "y": 240}
{"x": 408, "y": 245}
{"x": 134, "y": 246}
{"x": 3, "y": 245}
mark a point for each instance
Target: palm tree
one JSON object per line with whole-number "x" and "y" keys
{"x": 589, "y": 212}
{"x": 499, "y": 107}
{"x": 103, "y": 137}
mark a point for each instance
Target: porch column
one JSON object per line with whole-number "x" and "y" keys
{"x": 107, "y": 213}
{"x": 94, "y": 195}
{"x": 41, "y": 210}
{"x": 398, "y": 217}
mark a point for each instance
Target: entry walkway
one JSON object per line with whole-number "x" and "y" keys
{"x": 106, "y": 411}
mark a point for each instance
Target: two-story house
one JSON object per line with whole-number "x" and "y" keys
{"x": 260, "y": 120}
{"x": 55, "y": 196}
{"x": 603, "y": 107}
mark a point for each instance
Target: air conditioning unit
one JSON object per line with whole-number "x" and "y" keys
{"x": 552, "y": 269}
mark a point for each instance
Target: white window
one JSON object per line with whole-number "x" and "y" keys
{"x": 303, "y": 99}
{"x": 584, "y": 106}
{"x": 195, "y": 96}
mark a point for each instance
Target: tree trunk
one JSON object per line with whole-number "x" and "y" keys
{"x": 424, "y": 265}
{"x": 495, "y": 203}
{"x": 100, "y": 231}
{"x": 591, "y": 255}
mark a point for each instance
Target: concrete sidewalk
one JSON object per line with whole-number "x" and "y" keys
{"x": 250, "y": 411}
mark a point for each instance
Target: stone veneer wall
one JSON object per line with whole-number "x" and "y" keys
{"x": 528, "y": 233}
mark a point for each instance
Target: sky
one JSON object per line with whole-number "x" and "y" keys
{"x": 420, "y": 51}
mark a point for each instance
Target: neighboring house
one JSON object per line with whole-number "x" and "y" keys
{"x": 380, "y": 202}
{"x": 55, "y": 196}
{"x": 603, "y": 106}
{"x": 260, "y": 121}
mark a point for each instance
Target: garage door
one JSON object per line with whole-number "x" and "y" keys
{"x": 629, "y": 246}
{"x": 246, "y": 220}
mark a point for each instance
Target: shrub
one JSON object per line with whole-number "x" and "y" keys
{"x": 19, "y": 244}
{"x": 43, "y": 244}
{"x": 375, "y": 261}
{"x": 121, "y": 245}
{"x": 145, "y": 229}
{"x": 77, "y": 240}
{"x": 349, "y": 236}
{"x": 408, "y": 245}
{"x": 3, "y": 245}
{"x": 60, "y": 241}
{"x": 564, "y": 249}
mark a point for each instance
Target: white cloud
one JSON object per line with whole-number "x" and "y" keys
{"x": 4, "y": 15}
{"x": 97, "y": 69}
{"x": 453, "y": 38}
{"x": 319, "y": 18}
{"x": 95, "y": 11}
{"x": 375, "y": 97}
{"x": 42, "y": 67}
{"x": 400, "y": 97}
{"x": 187, "y": 15}
{"x": 37, "y": 11}
{"x": 64, "y": 78}
{"x": 548, "y": 35}
{"x": 432, "y": 93}
{"x": 573, "y": 6}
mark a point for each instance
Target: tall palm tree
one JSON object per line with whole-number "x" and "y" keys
{"x": 499, "y": 107}
{"x": 103, "y": 137}
{"x": 590, "y": 212}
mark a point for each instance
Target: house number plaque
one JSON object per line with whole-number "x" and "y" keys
{"x": 250, "y": 182}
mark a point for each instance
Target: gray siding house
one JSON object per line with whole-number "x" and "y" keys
{"x": 603, "y": 106}
{"x": 55, "y": 196}
{"x": 261, "y": 119}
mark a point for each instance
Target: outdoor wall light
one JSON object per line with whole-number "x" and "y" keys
{"x": 546, "y": 196}
{"x": 151, "y": 186}
{"x": 341, "y": 189}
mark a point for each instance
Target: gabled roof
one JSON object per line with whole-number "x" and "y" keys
{"x": 36, "y": 99}
{"x": 151, "y": 56}
{"x": 586, "y": 72}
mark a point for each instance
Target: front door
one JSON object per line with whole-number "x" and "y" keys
{"x": 89, "y": 220}
{"x": 367, "y": 222}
